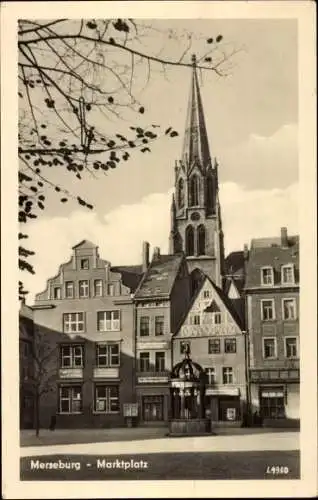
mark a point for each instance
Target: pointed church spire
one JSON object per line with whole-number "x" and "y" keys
{"x": 195, "y": 145}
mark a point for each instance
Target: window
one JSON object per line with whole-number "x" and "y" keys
{"x": 83, "y": 288}
{"x": 108, "y": 321}
{"x": 214, "y": 346}
{"x": 106, "y": 399}
{"x": 269, "y": 347}
{"x": 195, "y": 319}
{"x": 98, "y": 288}
{"x": 227, "y": 373}
{"x": 217, "y": 318}
{"x": 71, "y": 356}
{"x": 185, "y": 347}
{"x": 194, "y": 191}
{"x": 159, "y": 325}
{"x": 84, "y": 264}
{"x": 288, "y": 277}
{"x": 210, "y": 196}
{"x": 210, "y": 373}
{"x": 230, "y": 345}
{"x": 107, "y": 355}
{"x": 201, "y": 240}
{"x": 272, "y": 403}
{"x": 289, "y": 309}
{"x": 110, "y": 289}
{"x": 73, "y": 322}
{"x": 69, "y": 289}
{"x": 70, "y": 399}
{"x": 144, "y": 362}
{"x": 144, "y": 326}
{"x": 160, "y": 362}
{"x": 267, "y": 276}
{"x": 291, "y": 347}
{"x": 189, "y": 236}
{"x": 206, "y": 294}
{"x": 181, "y": 193}
{"x": 57, "y": 292}
{"x": 267, "y": 310}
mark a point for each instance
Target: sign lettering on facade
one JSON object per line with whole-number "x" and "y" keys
{"x": 152, "y": 380}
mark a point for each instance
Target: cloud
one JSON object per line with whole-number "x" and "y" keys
{"x": 263, "y": 162}
{"x": 119, "y": 234}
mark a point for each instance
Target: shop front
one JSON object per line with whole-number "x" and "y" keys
{"x": 224, "y": 406}
{"x": 153, "y": 402}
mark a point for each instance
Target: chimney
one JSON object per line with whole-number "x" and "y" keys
{"x": 284, "y": 237}
{"x": 145, "y": 256}
{"x": 156, "y": 253}
{"x": 245, "y": 251}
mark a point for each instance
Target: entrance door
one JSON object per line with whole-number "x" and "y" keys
{"x": 152, "y": 408}
{"x": 229, "y": 408}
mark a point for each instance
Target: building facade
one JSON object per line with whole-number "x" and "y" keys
{"x": 85, "y": 316}
{"x": 272, "y": 312}
{"x": 160, "y": 300}
{"x": 213, "y": 333}
{"x": 26, "y": 372}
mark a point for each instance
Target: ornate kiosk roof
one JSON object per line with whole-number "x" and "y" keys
{"x": 188, "y": 371}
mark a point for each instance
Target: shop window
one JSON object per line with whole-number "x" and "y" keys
{"x": 272, "y": 404}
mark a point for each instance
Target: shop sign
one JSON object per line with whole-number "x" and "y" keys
{"x": 152, "y": 380}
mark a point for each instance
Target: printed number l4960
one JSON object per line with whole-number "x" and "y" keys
{"x": 277, "y": 469}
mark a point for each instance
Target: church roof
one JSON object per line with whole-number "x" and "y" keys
{"x": 195, "y": 145}
{"x": 159, "y": 277}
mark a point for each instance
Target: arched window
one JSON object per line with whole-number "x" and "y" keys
{"x": 201, "y": 240}
{"x": 181, "y": 193}
{"x": 189, "y": 241}
{"x": 194, "y": 191}
{"x": 210, "y": 201}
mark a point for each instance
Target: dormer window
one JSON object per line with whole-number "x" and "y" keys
{"x": 84, "y": 264}
{"x": 288, "y": 277}
{"x": 267, "y": 276}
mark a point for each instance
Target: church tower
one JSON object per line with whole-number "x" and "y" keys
{"x": 196, "y": 226}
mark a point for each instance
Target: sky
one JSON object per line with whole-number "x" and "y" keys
{"x": 252, "y": 122}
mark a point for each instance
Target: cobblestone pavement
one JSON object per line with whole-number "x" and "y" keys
{"x": 270, "y": 441}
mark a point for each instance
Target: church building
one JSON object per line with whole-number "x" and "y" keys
{"x": 212, "y": 328}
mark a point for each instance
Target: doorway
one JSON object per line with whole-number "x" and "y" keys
{"x": 152, "y": 408}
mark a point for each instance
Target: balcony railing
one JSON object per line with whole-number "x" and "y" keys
{"x": 272, "y": 375}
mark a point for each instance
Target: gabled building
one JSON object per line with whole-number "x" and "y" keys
{"x": 213, "y": 331}
{"x": 85, "y": 316}
{"x": 160, "y": 300}
{"x": 272, "y": 312}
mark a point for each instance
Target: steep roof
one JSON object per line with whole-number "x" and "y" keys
{"x": 234, "y": 263}
{"x": 236, "y": 310}
{"x": 270, "y": 252}
{"x": 130, "y": 275}
{"x": 160, "y": 276}
{"x": 195, "y": 145}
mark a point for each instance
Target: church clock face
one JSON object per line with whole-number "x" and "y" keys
{"x": 195, "y": 216}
